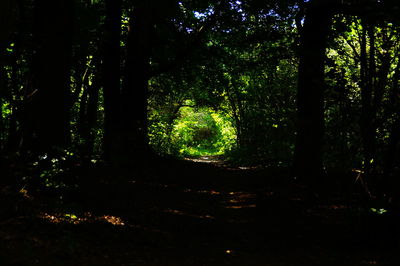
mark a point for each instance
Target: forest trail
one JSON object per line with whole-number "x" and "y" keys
{"x": 213, "y": 159}
{"x": 190, "y": 213}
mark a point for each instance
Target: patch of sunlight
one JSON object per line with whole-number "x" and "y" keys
{"x": 112, "y": 220}
{"x": 87, "y": 217}
{"x": 236, "y": 201}
{"x": 241, "y": 194}
{"x": 357, "y": 171}
{"x": 240, "y": 200}
{"x": 25, "y": 194}
{"x": 248, "y": 167}
{"x": 62, "y": 218}
{"x": 241, "y": 206}
{"x": 212, "y": 159}
{"x": 200, "y": 160}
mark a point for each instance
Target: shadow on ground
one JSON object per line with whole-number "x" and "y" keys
{"x": 194, "y": 212}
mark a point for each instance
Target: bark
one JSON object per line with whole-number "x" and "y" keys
{"x": 111, "y": 79}
{"x": 308, "y": 159}
{"x": 367, "y": 83}
{"x": 2, "y": 137}
{"x": 13, "y": 140}
{"x": 88, "y": 117}
{"x": 81, "y": 71}
{"x": 237, "y": 120}
{"x": 93, "y": 101}
{"x": 3, "y": 88}
{"x": 47, "y": 113}
{"x": 82, "y": 113}
{"x": 135, "y": 88}
{"x": 391, "y": 154}
{"x": 391, "y": 181}
{"x": 7, "y": 22}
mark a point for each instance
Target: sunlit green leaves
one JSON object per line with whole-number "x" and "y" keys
{"x": 195, "y": 132}
{"x": 70, "y": 216}
{"x": 379, "y": 211}
{"x": 10, "y": 49}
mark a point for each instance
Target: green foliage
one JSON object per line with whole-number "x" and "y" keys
{"x": 347, "y": 83}
{"x": 378, "y": 211}
{"x": 199, "y": 131}
{"x": 196, "y": 131}
{"x": 52, "y": 171}
{"x": 5, "y": 109}
{"x": 249, "y": 87}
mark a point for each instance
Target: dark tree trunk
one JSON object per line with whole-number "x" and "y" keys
{"x": 135, "y": 87}
{"x": 93, "y": 93}
{"x": 367, "y": 83}
{"x": 111, "y": 79}
{"x": 12, "y": 138}
{"x": 238, "y": 126}
{"x": 88, "y": 116}
{"x": 308, "y": 157}
{"x": 82, "y": 114}
{"x": 81, "y": 70}
{"x": 7, "y": 22}
{"x": 47, "y": 104}
{"x": 391, "y": 181}
{"x": 3, "y": 89}
{"x": 2, "y": 137}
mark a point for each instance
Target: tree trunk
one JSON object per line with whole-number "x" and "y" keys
{"x": 135, "y": 87}
{"x": 111, "y": 79}
{"x": 7, "y": 22}
{"x": 93, "y": 92}
{"x": 367, "y": 117}
{"x": 391, "y": 182}
{"x": 47, "y": 104}
{"x": 308, "y": 157}
{"x": 3, "y": 89}
{"x": 82, "y": 113}
{"x": 88, "y": 116}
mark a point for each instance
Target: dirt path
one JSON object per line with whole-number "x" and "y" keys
{"x": 195, "y": 212}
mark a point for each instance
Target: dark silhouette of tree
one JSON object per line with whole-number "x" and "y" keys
{"x": 46, "y": 112}
{"x": 135, "y": 87}
{"x": 308, "y": 158}
{"x": 112, "y": 79}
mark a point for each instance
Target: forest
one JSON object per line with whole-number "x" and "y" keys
{"x": 199, "y": 132}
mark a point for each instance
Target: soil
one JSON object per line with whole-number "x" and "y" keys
{"x": 198, "y": 211}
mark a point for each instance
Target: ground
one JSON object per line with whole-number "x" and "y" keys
{"x": 194, "y": 212}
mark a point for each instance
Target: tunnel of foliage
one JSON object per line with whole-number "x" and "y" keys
{"x": 307, "y": 85}
{"x": 194, "y": 132}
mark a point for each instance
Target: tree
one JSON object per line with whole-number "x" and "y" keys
{"x": 111, "y": 72}
{"x": 7, "y": 22}
{"x": 46, "y": 112}
{"x": 308, "y": 158}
